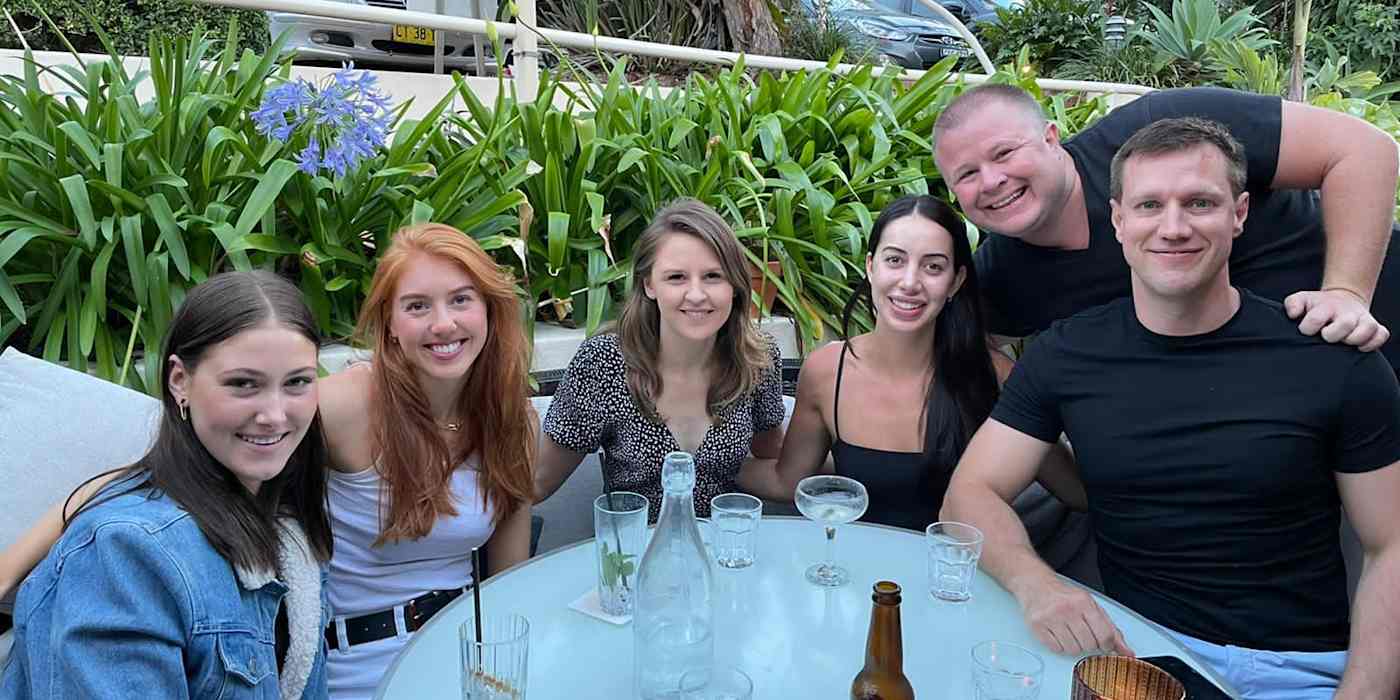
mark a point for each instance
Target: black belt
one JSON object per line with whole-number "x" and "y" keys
{"x": 380, "y": 625}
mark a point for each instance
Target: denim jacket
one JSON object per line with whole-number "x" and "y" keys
{"x": 133, "y": 602}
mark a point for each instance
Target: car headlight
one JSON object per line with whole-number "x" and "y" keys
{"x": 883, "y": 32}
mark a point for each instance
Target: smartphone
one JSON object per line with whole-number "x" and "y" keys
{"x": 1197, "y": 686}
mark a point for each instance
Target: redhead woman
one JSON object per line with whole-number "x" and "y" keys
{"x": 684, "y": 369}
{"x": 197, "y": 571}
{"x": 430, "y": 447}
{"x": 895, "y": 407}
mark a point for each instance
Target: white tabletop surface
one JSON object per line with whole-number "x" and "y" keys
{"x": 793, "y": 639}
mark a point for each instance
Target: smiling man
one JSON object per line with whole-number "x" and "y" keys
{"x": 1050, "y": 253}
{"x": 1217, "y": 446}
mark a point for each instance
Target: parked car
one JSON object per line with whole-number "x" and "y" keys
{"x": 896, "y": 37}
{"x": 396, "y": 45}
{"x": 970, "y": 12}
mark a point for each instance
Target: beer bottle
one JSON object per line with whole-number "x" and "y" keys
{"x": 883, "y": 675}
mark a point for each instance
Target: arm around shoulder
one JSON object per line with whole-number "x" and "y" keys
{"x": 17, "y": 560}
{"x": 806, "y": 442}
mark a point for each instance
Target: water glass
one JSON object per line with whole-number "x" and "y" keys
{"x": 494, "y": 666}
{"x": 1003, "y": 671}
{"x": 716, "y": 683}
{"x": 620, "y": 538}
{"x": 953, "y": 551}
{"x": 734, "y": 518}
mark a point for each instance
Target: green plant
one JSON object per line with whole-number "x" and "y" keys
{"x": 1184, "y": 39}
{"x": 1055, "y": 32}
{"x": 819, "y": 37}
{"x": 1366, "y": 31}
{"x": 127, "y": 24}
{"x": 110, "y": 207}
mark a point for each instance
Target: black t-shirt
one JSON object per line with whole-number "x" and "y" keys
{"x": 1209, "y": 463}
{"x": 1026, "y": 287}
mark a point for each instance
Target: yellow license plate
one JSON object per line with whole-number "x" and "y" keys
{"x": 409, "y": 34}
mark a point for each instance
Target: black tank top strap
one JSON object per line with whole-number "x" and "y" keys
{"x": 836, "y": 400}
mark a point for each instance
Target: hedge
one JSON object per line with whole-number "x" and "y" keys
{"x": 127, "y": 22}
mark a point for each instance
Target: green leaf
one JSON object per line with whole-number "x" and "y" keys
{"x": 266, "y": 244}
{"x": 269, "y": 187}
{"x": 170, "y": 232}
{"x": 76, "y": 190}
{"x": 558, "y": 241}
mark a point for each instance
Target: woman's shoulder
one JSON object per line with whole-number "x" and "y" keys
{"x": 599, "y": 357}
{"x": 822, "y": 362}
{"x": 139, "y": 518}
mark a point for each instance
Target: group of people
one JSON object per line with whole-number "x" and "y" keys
{"x": 285, "y": 535}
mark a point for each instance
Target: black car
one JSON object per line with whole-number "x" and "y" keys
{"x": 970, "y": 12}
{"x": 896, "y": 37}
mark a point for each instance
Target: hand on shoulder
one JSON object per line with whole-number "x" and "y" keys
{"x": 1337, "y": 316}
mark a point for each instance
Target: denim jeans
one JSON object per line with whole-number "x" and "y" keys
{"x": 1271, "y": 675}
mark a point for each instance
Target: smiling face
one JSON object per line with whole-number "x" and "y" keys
{"x": 437, "y": 318}
{"x": 911, "y": 274}
{"x": 251, "y": 399}
{"x": 1006, "y": 169}
{"x": 1177, "y": 221}
{"x": 691, "y": 291}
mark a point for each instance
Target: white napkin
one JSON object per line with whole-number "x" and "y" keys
{"x": 590, "y": 605}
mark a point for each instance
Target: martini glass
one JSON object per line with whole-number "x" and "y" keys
{"x": 830, "y": 501}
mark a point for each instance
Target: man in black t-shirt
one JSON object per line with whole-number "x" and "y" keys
{"x": 1216, "y": 444}
{"x": 1049, "y": 252}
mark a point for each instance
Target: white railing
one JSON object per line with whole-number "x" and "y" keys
{"x": 525, "y": 36}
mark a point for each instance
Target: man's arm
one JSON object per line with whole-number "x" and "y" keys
{"x": 998, "y": 464}
{"x": 1369, "y": 499}
{"x": 1355, "y": 168}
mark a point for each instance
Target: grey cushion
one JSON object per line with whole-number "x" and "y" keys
{"x": 57, "y": 428}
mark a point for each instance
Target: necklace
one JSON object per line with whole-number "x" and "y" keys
{"x": 450, "y": 426}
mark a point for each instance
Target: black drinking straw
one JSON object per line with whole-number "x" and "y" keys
{"x": 476, "y": 598}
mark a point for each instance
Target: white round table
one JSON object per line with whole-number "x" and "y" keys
{"x": 793, "y": 639}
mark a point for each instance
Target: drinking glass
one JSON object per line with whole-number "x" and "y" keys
{"x": 494, "y": 665}
{"x": 620, "y": 538}
{"x": 1003, "y": 671}
{"x": 1122, "y": 678}
{"x": 717, "y": 683}
{"x": 830, "y": 501}
{"x": 953, "y": 551}
{"x": 734, "y": 518}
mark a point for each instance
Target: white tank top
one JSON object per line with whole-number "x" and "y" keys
{"x": 365, "y": 578}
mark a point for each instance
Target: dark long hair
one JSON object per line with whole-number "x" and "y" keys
{"x": 241, "y": 526}
{"x": 962, "y": 387}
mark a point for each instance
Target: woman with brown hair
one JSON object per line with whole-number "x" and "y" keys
{"x": 684, "y": 369}
{"x": 430, "y": 446}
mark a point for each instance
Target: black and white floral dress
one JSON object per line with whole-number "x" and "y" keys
{"x": 592, "y": 409}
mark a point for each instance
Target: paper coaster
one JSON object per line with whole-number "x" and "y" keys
{"x": 588, "y": 604}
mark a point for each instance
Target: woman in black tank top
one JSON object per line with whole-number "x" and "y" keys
{"x": 915, "y": 388}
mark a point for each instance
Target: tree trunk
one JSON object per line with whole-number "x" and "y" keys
{"x": 1297, "y": 90}
{"x": 751, "y": 27}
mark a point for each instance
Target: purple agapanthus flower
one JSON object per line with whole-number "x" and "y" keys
{"x": 344, "y": 120}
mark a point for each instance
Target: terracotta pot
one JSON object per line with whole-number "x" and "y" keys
{"x": 762, "y": 284}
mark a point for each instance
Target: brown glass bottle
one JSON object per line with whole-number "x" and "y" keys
{"x": 883, "y": 675}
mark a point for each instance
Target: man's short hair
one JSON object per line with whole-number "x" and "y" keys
{"x": 1180, "y": 134}
{"x": 963, "y": 106}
